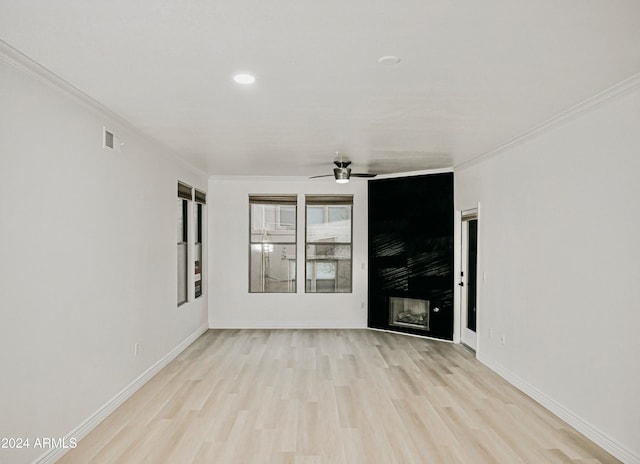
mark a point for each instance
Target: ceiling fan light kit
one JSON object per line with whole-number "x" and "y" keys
{"x": 342, "y": 175}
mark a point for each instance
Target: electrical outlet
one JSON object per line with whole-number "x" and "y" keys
{"x": 490, "y": 333}
{"x": 503, "y": 339}
{"x": 136, "y": 349}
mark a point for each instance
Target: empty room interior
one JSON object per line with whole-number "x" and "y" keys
{"x": 318, "y": 233}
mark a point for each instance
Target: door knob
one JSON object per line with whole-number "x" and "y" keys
{"x": 461, "y": 284}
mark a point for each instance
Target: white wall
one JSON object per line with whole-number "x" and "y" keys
{"x": 560, "y": 247}
{"x": 88, "y": 258}
{"x": 231, "y": 304}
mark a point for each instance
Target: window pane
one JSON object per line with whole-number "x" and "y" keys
{"x": 273, "y": 268}
{"x": 182, "y": 250}
{"x": 343, "y": 284}
{"x": 328, "y": 248}
{"x": 272, "y": 261}
{"x": 325, "y": 269}
{"x": 328, "y": 252}
{"x": 182, "y": 273}
{"x": 269, "y": 225}
{"x": 315, "y": 215}
{"x": 287, "y": 217}
{"x": 197, "y": 282}
{"x": 180, "y": 232}
{"x": 325, "y": 286}
{"x": 197, "y": 248}
{"x": 328, "y": 268}
{"x": 325, "y": 276}
{"x": 339, "y": 213}
{"x": 336, "y": 229}
{"x": 197, "y": 222}
{"x": 268, "y": 217}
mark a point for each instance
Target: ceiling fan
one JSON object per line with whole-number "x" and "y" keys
{"x": 342, "y": 172}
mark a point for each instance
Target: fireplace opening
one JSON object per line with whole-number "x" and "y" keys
{"x": 409, "y": 312}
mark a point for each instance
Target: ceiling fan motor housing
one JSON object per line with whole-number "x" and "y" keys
{"x": 342, "y": 173}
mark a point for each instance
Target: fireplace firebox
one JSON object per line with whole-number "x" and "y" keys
{"x": 409, "y": 312}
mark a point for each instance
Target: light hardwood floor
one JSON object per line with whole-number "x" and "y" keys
{"x": 330, "y": 397}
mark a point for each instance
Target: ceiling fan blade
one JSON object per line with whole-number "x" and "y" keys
{"x": 316, "y": 177}
{"x": 362, "y": 174}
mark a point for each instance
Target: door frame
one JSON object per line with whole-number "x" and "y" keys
{"x": 467, "y": 337}
{"x": 462, "y": 216}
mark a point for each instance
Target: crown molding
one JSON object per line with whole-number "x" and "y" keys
{"x": 617, "y": 90}
{"x": 18, "y": 60}
{"x": 23, "y": 63}
{"x": 256, "y": 178}
{"x": 412, "y": 173}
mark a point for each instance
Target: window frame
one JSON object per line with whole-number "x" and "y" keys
{"x": 185, "y": 196}
{"x": 341, "y": 200}
{"x": 199, "y": 212}
{"x": 289, "y": 200}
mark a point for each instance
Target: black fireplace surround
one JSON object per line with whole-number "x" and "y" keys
{"x": 411, "y": 224}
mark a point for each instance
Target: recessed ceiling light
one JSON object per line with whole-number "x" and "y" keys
{"x": 244, "y": 78}
{"x": 389, "y": 60}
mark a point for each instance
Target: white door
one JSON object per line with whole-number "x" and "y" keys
{"x": 468, "y": 279}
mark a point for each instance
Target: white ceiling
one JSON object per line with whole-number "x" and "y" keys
{"x": 473, "y": 74}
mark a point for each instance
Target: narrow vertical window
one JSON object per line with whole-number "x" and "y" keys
{"x": 328, "y": 243}
{"x": 198, "y": 257}
{"x": 272, "y": 243}
{"x": 184, "y": 197}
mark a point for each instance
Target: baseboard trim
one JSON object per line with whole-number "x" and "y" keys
{"x": 101, "y": 414}
{"x": 411, "y": 335}
{"x": 287, "y": 325}
{"x": 598, "y": 437}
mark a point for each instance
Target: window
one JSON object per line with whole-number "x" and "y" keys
{"x": 198, "y": 218}
{"x": 184, "y": 197}
{"x": 328, "y": 243}
{"x": 272, "y": 254}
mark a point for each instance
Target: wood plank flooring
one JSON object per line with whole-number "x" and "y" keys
{"x": 330, "y": 397}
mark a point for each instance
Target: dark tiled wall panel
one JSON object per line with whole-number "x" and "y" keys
{"x": 411, "y": 224}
